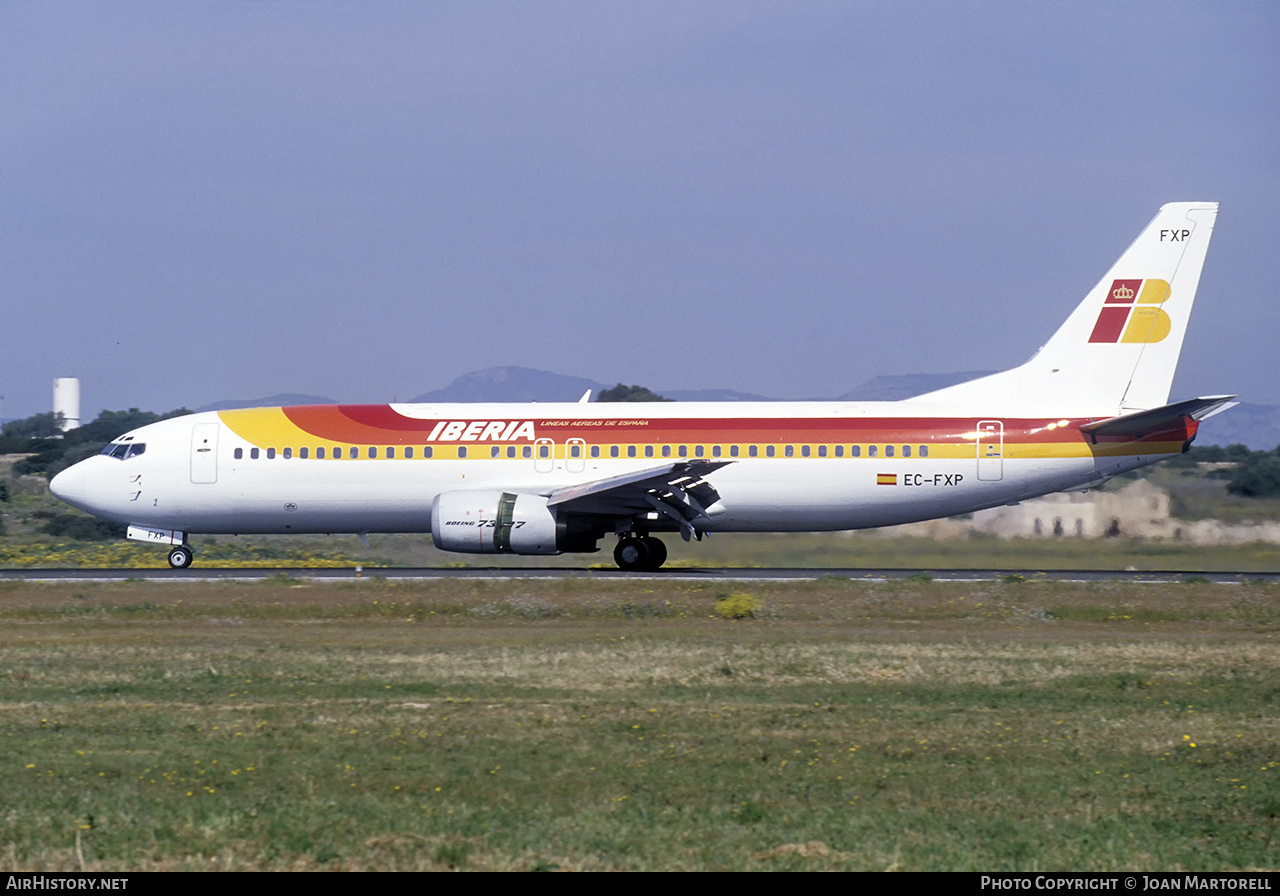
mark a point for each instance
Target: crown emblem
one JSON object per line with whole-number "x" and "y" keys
{"x": 1123, "y": 293}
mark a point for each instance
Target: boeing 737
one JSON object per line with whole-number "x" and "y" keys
{"x": 555, "y": 478}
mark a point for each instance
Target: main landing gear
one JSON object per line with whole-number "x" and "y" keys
{"x": 639, "y": 553}
{"x": 181, "y": 556}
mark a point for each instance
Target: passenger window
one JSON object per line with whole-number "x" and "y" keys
{"x": 906, "y": 450}
{"x": 337, "y": 453}
{"x": 239, "y": 453}
{"x": 391, "y": 452}
{"x": 631, "y": 451}
{"x": 697, "y": 452}
{"x": 733, "y": 450}
{"x": 924, "y": 450}
{"x": 373, "y": 452}
{"x": 271, "y": 454}
{"x": 253, "y": 454}
{"x": 575, "y": 450}
{"x": 684, "y": 451}
{"x": 287, "y": 453}
{"x": 495, "y": 451}
{"x": 822, "y": 451}
{"x": 715, "y": 451}
{"x": 408, "y": 452}
{"x": 595, "y": 450}
{"x": 888, "y": 451}
{"x": 789, "y": 451}
{"x": 544, "y": 451}
{"x": 526, "y": 451}
{"x": 648, "y": 451}
{"x": 320, "y": 453}
{"x": 666, "y": 451}
{"x": 855, "y": 451}
{"x": 871, "y": 451}
{"x": 462, "y": 452}
{"x": 752, "y": 451}
{"x": 839, "y": 451}
{"x": 302, "y": 453}
{"x": 613, "y": 450}
{"x": 511, "y": 451}
{"x": 768, "y": 452}
{"x": 428, "y": 451}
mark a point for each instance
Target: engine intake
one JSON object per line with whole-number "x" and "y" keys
{"x": 491, "y": 522}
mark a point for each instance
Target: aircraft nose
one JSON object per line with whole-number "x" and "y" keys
{"x": 71, "y": 485}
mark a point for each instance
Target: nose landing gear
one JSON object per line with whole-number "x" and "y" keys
{"x": 181, "y": 556}
{"x": 639, "y": 553}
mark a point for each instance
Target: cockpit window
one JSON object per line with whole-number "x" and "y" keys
{"x": 124, "y": 450}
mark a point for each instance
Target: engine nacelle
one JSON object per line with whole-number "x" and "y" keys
{"x": 489, "y": 522}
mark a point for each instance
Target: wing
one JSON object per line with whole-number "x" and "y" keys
{"x": 677, "y": 491}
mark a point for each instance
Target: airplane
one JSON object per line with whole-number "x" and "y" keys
{"x": 1092, "y": 403}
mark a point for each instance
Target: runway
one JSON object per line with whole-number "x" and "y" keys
{"x": 709, "y": 574}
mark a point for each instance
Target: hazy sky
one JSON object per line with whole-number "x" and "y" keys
{"x": 215, "y": 200}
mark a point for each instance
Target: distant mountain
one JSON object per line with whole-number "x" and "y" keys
{"x": 711, "y": 395}
{"x": 907, "y": 385}
{"x": 526, "y": 384}
{"x": 511, "y": 384}
{"x": 1254, "y": 425}
{"x": 284, "y": 399}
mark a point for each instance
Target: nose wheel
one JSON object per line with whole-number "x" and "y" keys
{"x": 181, "y": 557}
{"x": 639, "y": 553}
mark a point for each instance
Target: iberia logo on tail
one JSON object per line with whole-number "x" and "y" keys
{"x": 1123, "y": 319}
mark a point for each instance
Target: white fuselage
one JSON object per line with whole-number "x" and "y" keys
{"x": 211, "y": 473}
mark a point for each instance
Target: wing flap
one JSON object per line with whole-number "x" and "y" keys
{"x": 676, "y": 490}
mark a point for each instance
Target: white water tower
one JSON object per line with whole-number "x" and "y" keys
{"x": 66, "y": 401}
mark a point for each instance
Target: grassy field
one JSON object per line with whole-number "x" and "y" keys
{"x": 866, "y": 550}
{"x": 583, "y": 725}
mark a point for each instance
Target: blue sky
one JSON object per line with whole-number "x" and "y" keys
{"x": 213, "y": 200}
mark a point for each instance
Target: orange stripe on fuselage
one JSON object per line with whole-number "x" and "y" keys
{"x": 355, "y": 425}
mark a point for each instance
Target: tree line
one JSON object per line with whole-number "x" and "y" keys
{"x": 49, "y": 450}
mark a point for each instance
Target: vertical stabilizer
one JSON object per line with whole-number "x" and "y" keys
{"x": 1118, "y": 350}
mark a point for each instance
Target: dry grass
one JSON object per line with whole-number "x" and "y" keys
{"x": 624, "y": 725}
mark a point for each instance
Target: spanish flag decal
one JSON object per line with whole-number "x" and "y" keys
{"x": 886, "y": 479}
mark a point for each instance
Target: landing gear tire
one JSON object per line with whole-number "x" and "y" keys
{"x": 639, "y": 553}
{"x": 631, "y": 554}
{"x": 657, "y": 552}
{"x": 181, "y": 557}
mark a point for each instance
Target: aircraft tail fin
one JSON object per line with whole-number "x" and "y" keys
{"x": 1118, "y": 350}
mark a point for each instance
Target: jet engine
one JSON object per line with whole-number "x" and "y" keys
{"x": 490, "y": 522}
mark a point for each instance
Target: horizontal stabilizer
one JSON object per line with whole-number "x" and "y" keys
{"x": 1171, "y": 416}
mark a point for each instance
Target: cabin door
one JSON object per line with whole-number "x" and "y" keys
{"x": 204, "y": 452}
